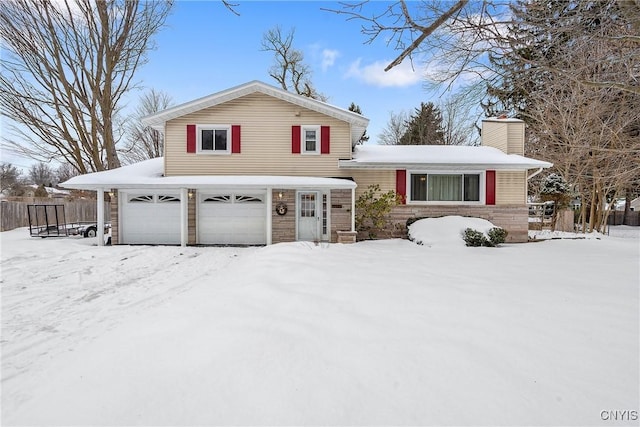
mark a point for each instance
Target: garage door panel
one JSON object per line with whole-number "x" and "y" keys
{"x": 150, "y": 219}
{"x": 232, "y": 219}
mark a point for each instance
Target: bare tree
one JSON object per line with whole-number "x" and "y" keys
{"x": 459, "y": 121}
{"x": 67, "y": 67}
{"x": 65, "y": 172}
{"x": 9, "y": 177}
{"x": 42, "y": 174}
{"x": 457, "y": 37}
{"x": 590, "y": 133}
{"x": 394, "y": 130}
{"x": 288, "y": 68}
{"x": 145, "y": 142}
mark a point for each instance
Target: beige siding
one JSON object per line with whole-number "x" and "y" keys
{"x": 511, "y": 188}
{"x": 265, "y": 143}
{"x": 364, "y": 178}
{"x": 495, "y": 134}
{"x": 507, "y": 136}
{"x": 515, "y": 144}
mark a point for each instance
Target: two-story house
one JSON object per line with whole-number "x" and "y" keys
{"x": 255, "y": 164}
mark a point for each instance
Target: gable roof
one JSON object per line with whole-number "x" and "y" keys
{"x": 438, "y": 157}
{"x": 358, "y": 122}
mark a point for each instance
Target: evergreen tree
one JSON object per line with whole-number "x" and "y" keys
{"x": 424, "y": 127}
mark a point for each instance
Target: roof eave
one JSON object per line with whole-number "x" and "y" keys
{"x": 227, "y": 186}
{"x": 157, "y": 120}
{"x": 350, "y": 164}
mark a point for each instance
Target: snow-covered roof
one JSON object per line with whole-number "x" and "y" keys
{"x": 358, "y": 122}
{"x": 502, "y": 119}
{"x": 437, "y": 157}
{"x": 149, "y": 174}
{"x": 51, "y": 190}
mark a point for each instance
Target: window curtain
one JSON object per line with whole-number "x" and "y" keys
{"x": 445, "y": 188}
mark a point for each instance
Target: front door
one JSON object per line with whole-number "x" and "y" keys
{"x": 309, "y": 216}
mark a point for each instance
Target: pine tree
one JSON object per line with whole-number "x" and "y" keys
{"x": 424, "y": 127}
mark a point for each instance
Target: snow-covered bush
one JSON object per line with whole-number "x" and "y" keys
{"x": 554, "y": 184}
{"x": 497, "y": 235}
{"x": 474, "y": 237}
{"x": 493, "y": 238}
{"x": 555, "y": 189}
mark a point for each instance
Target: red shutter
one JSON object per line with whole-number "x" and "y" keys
{"x": 191, "y": 138}
{"x": 235, "y": 138}
{"x": 295, "y": 139}
{"x": 325, "y": 139}
{"x": 491, "y": 188}
{"x": 401, "y": 185}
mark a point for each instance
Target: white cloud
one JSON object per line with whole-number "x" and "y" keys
{"x": 329, "y": 58}
{"x": 373, "y": 74}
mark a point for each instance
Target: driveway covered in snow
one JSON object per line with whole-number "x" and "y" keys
{"x": 384, "y": 332}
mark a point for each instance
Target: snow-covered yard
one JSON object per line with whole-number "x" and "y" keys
{"x": 384, "y": 333}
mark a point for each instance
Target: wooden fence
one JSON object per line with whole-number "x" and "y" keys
{"x": 618, "y": 218}
{"x": 14, "y": 212}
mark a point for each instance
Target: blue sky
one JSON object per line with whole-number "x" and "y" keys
{"x": 204, "y": 48}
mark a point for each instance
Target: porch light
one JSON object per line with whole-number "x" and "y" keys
{"x": 190, "y": 194}
{"x": 280, "y": 195}
{"x": 111, "y": 194}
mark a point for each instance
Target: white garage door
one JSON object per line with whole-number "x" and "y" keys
{"x": 232, "y": 219}
{"x": 150, "y": 218}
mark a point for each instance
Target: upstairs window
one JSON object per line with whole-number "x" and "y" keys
{"x": 311, "y": 139}
{"x": 213, "y": 139}
{"x": 445, "y": 187}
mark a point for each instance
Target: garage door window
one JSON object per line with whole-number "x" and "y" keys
{"x": 218, "y": 199}
{"x": 248, "y": 199}
{"x": 168, "y": 199}
{"x": 141, "y": 199}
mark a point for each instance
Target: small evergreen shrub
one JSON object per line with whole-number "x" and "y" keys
{"x": 497, "y": 235}
{"x": 474, "y": 238}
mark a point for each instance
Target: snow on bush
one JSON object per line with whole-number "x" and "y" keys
{"x": 446, "y": 231}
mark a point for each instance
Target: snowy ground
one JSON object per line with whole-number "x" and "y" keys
{"x": 382, "y": 333}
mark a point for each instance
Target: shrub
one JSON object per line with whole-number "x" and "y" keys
{"x": 474, "y": 238}
{"x": 372, "y": 209}
{"x": 497, "y": 235}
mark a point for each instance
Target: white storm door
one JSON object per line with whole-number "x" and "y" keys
{"x": 309, "y": 216}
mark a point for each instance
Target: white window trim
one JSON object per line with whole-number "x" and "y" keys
{"x": 303, "y": 141}
{"x": 200, "y": 128}
{"x": 482, "y": 188}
